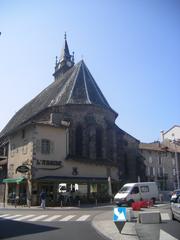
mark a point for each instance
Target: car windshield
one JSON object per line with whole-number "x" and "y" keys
{"x": 176, "y": 192}
{"x": 125, "y": 189}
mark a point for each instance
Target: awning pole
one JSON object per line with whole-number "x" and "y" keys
{"x": 4, "y": 197}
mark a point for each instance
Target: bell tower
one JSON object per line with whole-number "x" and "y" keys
{"x": 65, "y": 62}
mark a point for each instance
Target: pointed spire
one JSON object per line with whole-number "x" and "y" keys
{"x": 65, "y": 55}
{"x": 66, "y": 60}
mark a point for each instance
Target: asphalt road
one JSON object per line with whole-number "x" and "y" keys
{"x": 171, "y": 227}
{"x": 69, "y": 224}
{"x": 52, "y": 224}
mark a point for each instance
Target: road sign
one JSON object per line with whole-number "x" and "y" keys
{"x": 120, "y": 214}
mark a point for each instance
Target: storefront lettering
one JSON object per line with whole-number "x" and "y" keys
{"x": 49, "y": 162}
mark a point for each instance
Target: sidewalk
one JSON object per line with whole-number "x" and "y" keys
{"x": 104, "y": 224}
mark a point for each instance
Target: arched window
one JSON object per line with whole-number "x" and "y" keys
{"x": 79, "y": 141}
{"x": 126, "y": 167}
{"x": 98, "y": 142}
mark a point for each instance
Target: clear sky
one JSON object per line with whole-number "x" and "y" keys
{"x": 131, "y": 47}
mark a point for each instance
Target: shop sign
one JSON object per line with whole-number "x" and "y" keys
{"x": 49, "y": 163}
{"x": 22, "y": 169}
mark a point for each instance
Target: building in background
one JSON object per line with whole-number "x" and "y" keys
{"x": 162, "y": 159}
{"x": 67, "y": 134}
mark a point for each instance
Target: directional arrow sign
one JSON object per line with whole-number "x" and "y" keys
{"x": 119, "y": 214}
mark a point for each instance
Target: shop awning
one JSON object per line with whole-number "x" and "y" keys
{"x": 14, "y": 180}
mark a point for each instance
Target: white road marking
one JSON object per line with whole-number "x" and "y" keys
{"x": 51, "y": 218}
{"x": 67, "y": 218}
{"x": 24, "y": 217}
{"x": 4, "y": 215}
{"x": 83, "y": 218}
{"x": 165, "y": 217}
{"x": 13, "y": 216}
{"x": 37, "y": 218}
{"x": 164, "y": 235}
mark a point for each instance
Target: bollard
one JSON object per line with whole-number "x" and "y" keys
{"x": 96, "y": 202}
{"x": 79, "y": 203}
{"x": 61, "y": 204}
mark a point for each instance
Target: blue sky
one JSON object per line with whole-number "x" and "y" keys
{"x": 131, "y": 47}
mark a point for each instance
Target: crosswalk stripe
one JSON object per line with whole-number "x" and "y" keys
{"x": 47, "y": 218}
{"x": 67, "y": 218}
{"x": 4, "y": 215}
{"x": 37, "y": 218}
{"x": 13, "y": 216}
{"x": 51, "y": 218}
{"x": 24, "y": 217}
{"x": 165, "y": 217}
{"x": 83, "y": 218}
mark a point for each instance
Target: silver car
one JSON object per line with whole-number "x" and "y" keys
{"x": 175, "y": 208}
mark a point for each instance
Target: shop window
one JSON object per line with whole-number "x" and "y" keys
{"x": 45, "y": 146}
{"x": 79, "y": 140}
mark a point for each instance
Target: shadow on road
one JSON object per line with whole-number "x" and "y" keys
{"x": 9, "y": 229}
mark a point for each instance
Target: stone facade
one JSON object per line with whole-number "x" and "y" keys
{"x": 67, "y": 134}
{"x": 160, "y": 161}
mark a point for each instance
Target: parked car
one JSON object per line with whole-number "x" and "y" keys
{"x": 175, "y": 208}
{"x": 175, "y": 194}
{"x": 133, "y": 192}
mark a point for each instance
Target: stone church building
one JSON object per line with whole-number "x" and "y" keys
{"x": 67, "y": 136}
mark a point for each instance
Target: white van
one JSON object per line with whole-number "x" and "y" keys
{"x": 133, "y": 192}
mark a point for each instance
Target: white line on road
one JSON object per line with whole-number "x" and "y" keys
{"x": 4, "y": 215}
{"x": 67, "y": 218}
{"x": 51, "y": 218}
{"x": 37, "y": 218}
{"x": 13, "y": 216}
{"x": 165, "y": 236}
{"x": 83, "y": 218}
{"x": 24, "y": 217}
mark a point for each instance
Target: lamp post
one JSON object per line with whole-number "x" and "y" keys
{"x": 176, "y": 161}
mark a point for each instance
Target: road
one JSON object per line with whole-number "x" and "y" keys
{"x": 61, "y": 223}
{"x": 171, "y": 227}
{"x": 166, "y": 230}
{"x": 20, "y": 224}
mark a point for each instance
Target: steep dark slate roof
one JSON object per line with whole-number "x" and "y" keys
{"x": 76, "y": 86}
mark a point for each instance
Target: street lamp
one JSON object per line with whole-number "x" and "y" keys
{"x": 176, "y": 161}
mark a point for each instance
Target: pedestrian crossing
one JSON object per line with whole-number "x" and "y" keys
{"x": 44, "y": 217}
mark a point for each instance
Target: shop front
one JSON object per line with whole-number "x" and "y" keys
{"x": 70, "y": 191}
{"x": 15, "y": 191}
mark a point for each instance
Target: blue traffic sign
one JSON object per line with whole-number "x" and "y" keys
{"x": 119, "y": 214}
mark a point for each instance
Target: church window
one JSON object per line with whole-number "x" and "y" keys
{"x": 98, "y": 143}
{"x": 126, "y": 168}
{"x": 79, "y": 140}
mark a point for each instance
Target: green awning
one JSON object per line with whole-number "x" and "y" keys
{"x": 14, "y": 180}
